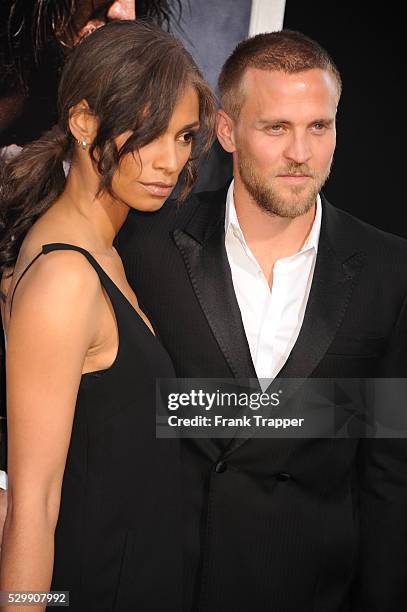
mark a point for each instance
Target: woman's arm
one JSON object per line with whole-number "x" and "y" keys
{"x": 50, "y": 331}
{"x": 3, "y": 511}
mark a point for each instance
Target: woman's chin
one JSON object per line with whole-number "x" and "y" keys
{"x": 151, "y": 206}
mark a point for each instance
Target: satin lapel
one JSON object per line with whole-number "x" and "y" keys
{"x": 333, "y": 282}
{"x": 201, "y": 244}
{"x": 209, "y": 272}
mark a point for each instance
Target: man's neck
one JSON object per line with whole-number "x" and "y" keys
{"x": 268, "y": 236}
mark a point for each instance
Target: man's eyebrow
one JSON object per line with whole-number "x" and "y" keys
{"x": 271, "y": 121}
{"x": 326, "y": 120}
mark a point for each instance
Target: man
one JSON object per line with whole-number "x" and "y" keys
{"x": 367, "y": 42}
{"x": 266, "y": 278}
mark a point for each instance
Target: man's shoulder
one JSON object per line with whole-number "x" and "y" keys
{"x": 351, "y": 230}
{"x": 173, "y": 215}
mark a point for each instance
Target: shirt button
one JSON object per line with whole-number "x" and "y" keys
{"x": 221, "y": 467}
{"x": 283, "y": 476}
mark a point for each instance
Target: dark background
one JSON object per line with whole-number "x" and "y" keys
{"x": 367, "y": 43}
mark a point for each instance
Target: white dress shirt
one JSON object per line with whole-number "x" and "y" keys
{"x": 272, "y": 319}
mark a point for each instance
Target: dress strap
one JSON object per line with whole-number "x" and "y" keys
{"x": 60, "y": 246}
{"x": 21, "y": 276}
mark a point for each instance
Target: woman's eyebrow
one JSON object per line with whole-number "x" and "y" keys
{"x": 189, "y": 126}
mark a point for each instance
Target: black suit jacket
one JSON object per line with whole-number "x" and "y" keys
{"x": 283, "y": 525}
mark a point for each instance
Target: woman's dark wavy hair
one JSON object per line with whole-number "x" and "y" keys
{"x": 131, "y": 74}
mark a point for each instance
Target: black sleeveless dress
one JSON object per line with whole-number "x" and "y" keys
{"x": 118, "y": 541}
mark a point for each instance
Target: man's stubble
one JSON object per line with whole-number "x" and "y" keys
{"x": 271, "y": 199}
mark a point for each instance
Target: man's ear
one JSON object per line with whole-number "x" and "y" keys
{"x": 82, "y": 123}
{"x": 225, "y": 129}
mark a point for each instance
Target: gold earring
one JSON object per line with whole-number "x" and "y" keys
{"x": 82, "y": 143}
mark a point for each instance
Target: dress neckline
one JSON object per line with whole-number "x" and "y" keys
{"x": 119, "y": 291}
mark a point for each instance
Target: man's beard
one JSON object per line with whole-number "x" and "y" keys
{"x": 271, "y": 199}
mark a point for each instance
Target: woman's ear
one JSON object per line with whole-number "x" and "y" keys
{"x": 82, "y": 123}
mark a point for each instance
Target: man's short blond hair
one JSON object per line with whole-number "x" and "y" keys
{"x": 284, "y": 51}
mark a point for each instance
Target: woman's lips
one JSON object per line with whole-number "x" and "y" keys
{"x": 160, "y": 190}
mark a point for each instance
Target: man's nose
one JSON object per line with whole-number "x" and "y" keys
{"x": 121, "y": 9}
{"x": 298, "y": 149}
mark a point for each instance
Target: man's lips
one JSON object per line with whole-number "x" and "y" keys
{"x": 294, "y": 178}
{"x": 160, "y": 190}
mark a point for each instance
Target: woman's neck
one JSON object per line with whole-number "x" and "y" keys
{"x": 100, "y": 217}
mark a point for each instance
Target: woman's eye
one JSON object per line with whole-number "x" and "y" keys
{"x": 188, "y": 137}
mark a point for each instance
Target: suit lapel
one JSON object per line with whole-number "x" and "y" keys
{"x": 201, "y": 243}
{"x": 331, "y": 290}
{"x": 202, "y": 246}
{"x": 336, "y": 273}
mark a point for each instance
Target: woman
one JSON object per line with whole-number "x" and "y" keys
{"x": 82, "y": 358}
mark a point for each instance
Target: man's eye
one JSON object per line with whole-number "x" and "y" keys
{"x": 276, "y": 128}
{"x": 319, "y": 126}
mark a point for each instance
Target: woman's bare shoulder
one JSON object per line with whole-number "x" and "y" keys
{"x": 59, "y": 287}
{"x": 60, "y": 270}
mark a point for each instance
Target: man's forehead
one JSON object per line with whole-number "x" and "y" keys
{"x": 260, "y": 87}
{"x": 254, "y": 78}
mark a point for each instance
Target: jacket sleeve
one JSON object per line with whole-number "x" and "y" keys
{"x": 381, "y": 583}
